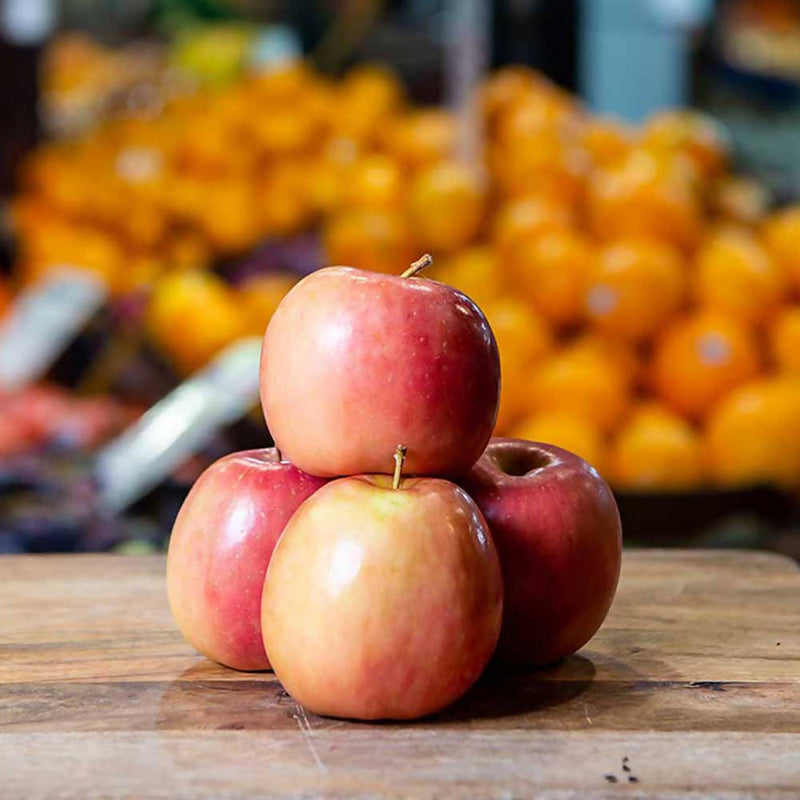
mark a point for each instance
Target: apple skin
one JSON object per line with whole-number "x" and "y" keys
{"x": 355, "y": 362}
{"x": 382, "y": 603}
{"x": 220, "y": 548}
{"x": 557, "y": 531}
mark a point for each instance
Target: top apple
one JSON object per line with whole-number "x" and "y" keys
{"x": 355, "y": 363}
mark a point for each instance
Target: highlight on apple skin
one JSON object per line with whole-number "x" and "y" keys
{"x": 354, "y": 362}
{"x": 382, "y": 603}
{"x": 220, "y": 548}
{"x": 556, "y": 527}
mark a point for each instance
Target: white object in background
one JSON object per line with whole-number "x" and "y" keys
{"x": 27, "y": 22}
{"x": 43, "y": 322}
{"x": 178, "y": 426}
{"x": 275, "y": 47}
{"x": 467, "y": 27}
{"x": 635, "y": 55}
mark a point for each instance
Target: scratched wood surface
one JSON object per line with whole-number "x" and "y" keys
{"x": 691, "y": 689}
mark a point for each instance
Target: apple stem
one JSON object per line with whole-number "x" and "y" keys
{"x": 399, "y": 458}
{"x": 278, "y": 452}
{"x": 417, "y": 266}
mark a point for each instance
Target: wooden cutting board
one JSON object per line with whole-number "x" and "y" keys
{"x": 691, "y": 689}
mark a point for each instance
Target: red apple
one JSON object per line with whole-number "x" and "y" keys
{"x": 220, "y": 548}
{"x": 557, "y": 530}
{"x": 354, "y": 362}
{"x": 382, "y": 602}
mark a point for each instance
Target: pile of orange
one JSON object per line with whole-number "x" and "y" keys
{"x": 646, "y": 302}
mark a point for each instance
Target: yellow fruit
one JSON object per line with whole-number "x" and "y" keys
{"x": 445, "y": 207}
{"x": 700, "y": 358}
{"x": 583, "y": 384}
{"x": 633, "y": 287}
{"x": 782, "y": 237}
{"x": 523, "y": 340}
{"x": 260, "y": 296}
{"x": 373, "y": 182}
{"x": 573, "y": 433}
{"x": 689, "y": 133}
{"x": 524, "y": 219}
{"x": 784, "y": 338}
{"x": 475, "y": 271}
{"x": 551, "y": 271}
{"x": 374, "y": 240}
{"x": 753, "y": 435}
{"x": 656, "y": 449}
{"x": 423, "y": 137}
{"x": 192, "y": 316}
{"x": 735, "y": 275}
{"x": 642, "y": 195}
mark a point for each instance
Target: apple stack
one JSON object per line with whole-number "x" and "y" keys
{"x": 380, "y": 555}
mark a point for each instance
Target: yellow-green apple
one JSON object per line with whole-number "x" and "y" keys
{"x": 557, "y": 531}
{"x": 220, "y": 547}
{"x": 382, "y": 602}
{"x": 355, "y": 361}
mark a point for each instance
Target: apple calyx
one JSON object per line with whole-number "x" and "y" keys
{"x": 417, "y": 266}
{"x": 399, "y": 458}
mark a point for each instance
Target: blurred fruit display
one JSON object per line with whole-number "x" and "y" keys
{"x": 644, "y": 298}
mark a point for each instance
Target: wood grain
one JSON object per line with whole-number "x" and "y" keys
{"x": 694, "y": 678}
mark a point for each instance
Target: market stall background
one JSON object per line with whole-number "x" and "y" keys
{"x": 630, "y": 235}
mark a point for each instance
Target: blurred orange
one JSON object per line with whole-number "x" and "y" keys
{"x": 551, "y": 271}
{"x": 753, "y": 436}
{"x": 228, "y": 214}
{"x": 364, "y": 101}
{"x": 421, "y": 138}
{"x": 285, "y": 205}
{"x": 144, "y": 226}
{"x": 656, "y": 449}
{"x": 374, "y": 240}
{"x": 784, "y": 339}
{"x": 283, "y": 130}
{"x": 620, "y": 353}
{"x": 373, "y": 182}
{"x": 633, "y": 287}
{"x": 445, "y": 206}
{"x": 192, "y": 316}
{"x": 260, "y": 296}
{"x": 643, "y": 195}
{"x": 141, "y": 272}
{"x": 580, "y": 383}
{"x": 327, "y": 173}
{"x": 524, "y": 218}
{"x": 507, "y": 86}
{"x": 284, "y": 84}
{"x": 736, "y": 275}
{"x": 533, "y": 115}
{"x": 475, "y": 271}
{"x": 782, "y": 237}
{"x": 547, "y": 164}
{"x": 573, "y": 433}
{"x": 700, "y": 358}
{"x": 606, "y": 140}
{"x": 739, "y": 200}
{"x": 523, "y": 340}
{"x": 186, "y": 250}
{"x": 689, "y": 133}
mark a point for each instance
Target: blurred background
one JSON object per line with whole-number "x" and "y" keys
{"x": 615, "y": 182}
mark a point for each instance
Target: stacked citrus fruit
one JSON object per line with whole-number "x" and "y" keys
{"x": 645, "y": 301}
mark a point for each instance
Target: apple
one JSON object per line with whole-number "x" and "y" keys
{"x": 383, "y": 600}
{"x": 354, "y": 362}
{"x": 220, "y": 547}
{"x": 557, "y": 531}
